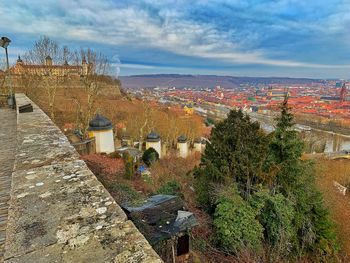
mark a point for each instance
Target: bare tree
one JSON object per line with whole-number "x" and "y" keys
{"x": 50, "y": 83}
{"x": 29, "y": 82}
{"x": 97, "y": 67}
{"x": 47, "y": 47}
{"x": 2, "y": 75}
{"x": 146, "y": 122}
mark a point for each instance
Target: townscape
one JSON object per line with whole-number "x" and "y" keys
{"x": 195, "y": 154}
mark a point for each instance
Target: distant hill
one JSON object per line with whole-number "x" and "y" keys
{"x": 203, "y": 81}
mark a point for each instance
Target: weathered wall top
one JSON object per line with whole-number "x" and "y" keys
{"x": 59, "y": 211}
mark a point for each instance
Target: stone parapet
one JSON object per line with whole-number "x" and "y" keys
{"x": 59, "y": 211}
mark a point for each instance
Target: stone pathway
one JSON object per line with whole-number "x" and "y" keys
{"x": 8, "y": 145}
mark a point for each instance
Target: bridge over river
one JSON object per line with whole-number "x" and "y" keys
{"x": 332, "y": 142}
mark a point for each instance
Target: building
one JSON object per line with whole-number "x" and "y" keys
{"x": 50, "y": 69}
{"x": 101, "y": 128}
{"x": 182, "y": 146}
{"x": 166, "y": 225}
{"x": 277, "y": 94}
{"x": 188, "y": 109}
{"x": 153, "y": 141}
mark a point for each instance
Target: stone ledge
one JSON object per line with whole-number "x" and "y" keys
{"x": 59, "y": 211}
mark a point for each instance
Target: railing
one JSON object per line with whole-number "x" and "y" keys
{"x": 85, "y": 147}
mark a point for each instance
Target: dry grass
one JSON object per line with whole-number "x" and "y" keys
{"x": 122, "y": 111}
{"x": 339, "y": 205}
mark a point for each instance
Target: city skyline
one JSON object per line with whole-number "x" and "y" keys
{"x": 286, "y": 38}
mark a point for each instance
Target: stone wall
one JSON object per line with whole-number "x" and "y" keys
{"x": 59, "y": 211}
{"x": 107, "y": 88}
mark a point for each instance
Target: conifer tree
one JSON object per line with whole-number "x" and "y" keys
{"x": 285, "y": 151}
{"x": 295, "y": 179}
{"x": 249, "y": 179}
{"x": 235, "y": 154}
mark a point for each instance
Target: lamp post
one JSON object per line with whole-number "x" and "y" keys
{"x": 4, "y": 42}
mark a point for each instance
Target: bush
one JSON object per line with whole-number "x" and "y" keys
{"x": 200, "y": 244}
{"x": 126, "y": 194}
{"x": 202, "y": 186}
{"x": 150, "y": 156}
{"x": 235, "y": 223}
{"x": 114, "y": 155}
{"x": 129, "y": 166}
{"x": 276, "y": 215}
{"x": 170, "y": 188}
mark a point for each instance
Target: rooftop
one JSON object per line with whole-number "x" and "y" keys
{"x": 161, "y": 217}
{"x": 99, "y": 123}
{"x": 153, "y": 137}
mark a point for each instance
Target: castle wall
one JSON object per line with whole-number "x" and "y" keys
{"x": 59, "y": 211}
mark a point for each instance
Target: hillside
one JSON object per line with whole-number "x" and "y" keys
{"x": 177, "y": 80}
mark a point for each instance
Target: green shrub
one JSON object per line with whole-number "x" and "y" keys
{"x": 150, "y": 156}
{"x": 202, "y": 186}
{"x": 114, "y": 155}
{"x": 129, "y": 166}
{"x": 170, "y": 188}
{"x": 126, "y": 194}
{"x": 199, "y": 244}
{"x": 235, "y": 224}
{"x": 276, "y": 215}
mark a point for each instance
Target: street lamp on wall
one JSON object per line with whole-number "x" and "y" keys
{"x": 4, "y": 42}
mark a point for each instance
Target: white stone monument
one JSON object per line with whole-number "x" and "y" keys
{"x": 153, "y": 140}
{"x": 197, "y": 145}
{"x": 101, "y": 128}
{"x": 182, "y": 146}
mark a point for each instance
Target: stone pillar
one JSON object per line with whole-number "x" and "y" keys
{"x": 101, "y": 128}
{"x": 182, "y": 146}
{"x": 153, "y": 140}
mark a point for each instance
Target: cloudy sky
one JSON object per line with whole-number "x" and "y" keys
{"x": 294, "y": 38}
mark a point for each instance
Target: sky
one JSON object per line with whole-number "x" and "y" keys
{"x": 289, "y": 38}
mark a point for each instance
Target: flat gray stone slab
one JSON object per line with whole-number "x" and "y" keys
{"x": 59, "y": 211}
{"x": 7, "y": 159}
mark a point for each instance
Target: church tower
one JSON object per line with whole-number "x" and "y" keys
{"x": 85, "y": 67}
{"x": 48, "y": 61}
{"x": 19, "y": 61}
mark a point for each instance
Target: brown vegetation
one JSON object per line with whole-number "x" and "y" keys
{"x": 168, "y": 122}
{"x": 329, "y": 171}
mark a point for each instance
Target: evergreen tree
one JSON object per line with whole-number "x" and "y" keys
{"x": 285, "y": 151}
{"x": 295, "y": 179}
{"x": 235, "y": 154}
{"x": 235, "y": 223}
{"x": 274, "y": 198}
{"x": 275, "y": 214}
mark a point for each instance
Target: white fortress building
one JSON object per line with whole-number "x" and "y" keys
{"x": 101, "y": 128}
{"x": 153, "y": 140}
